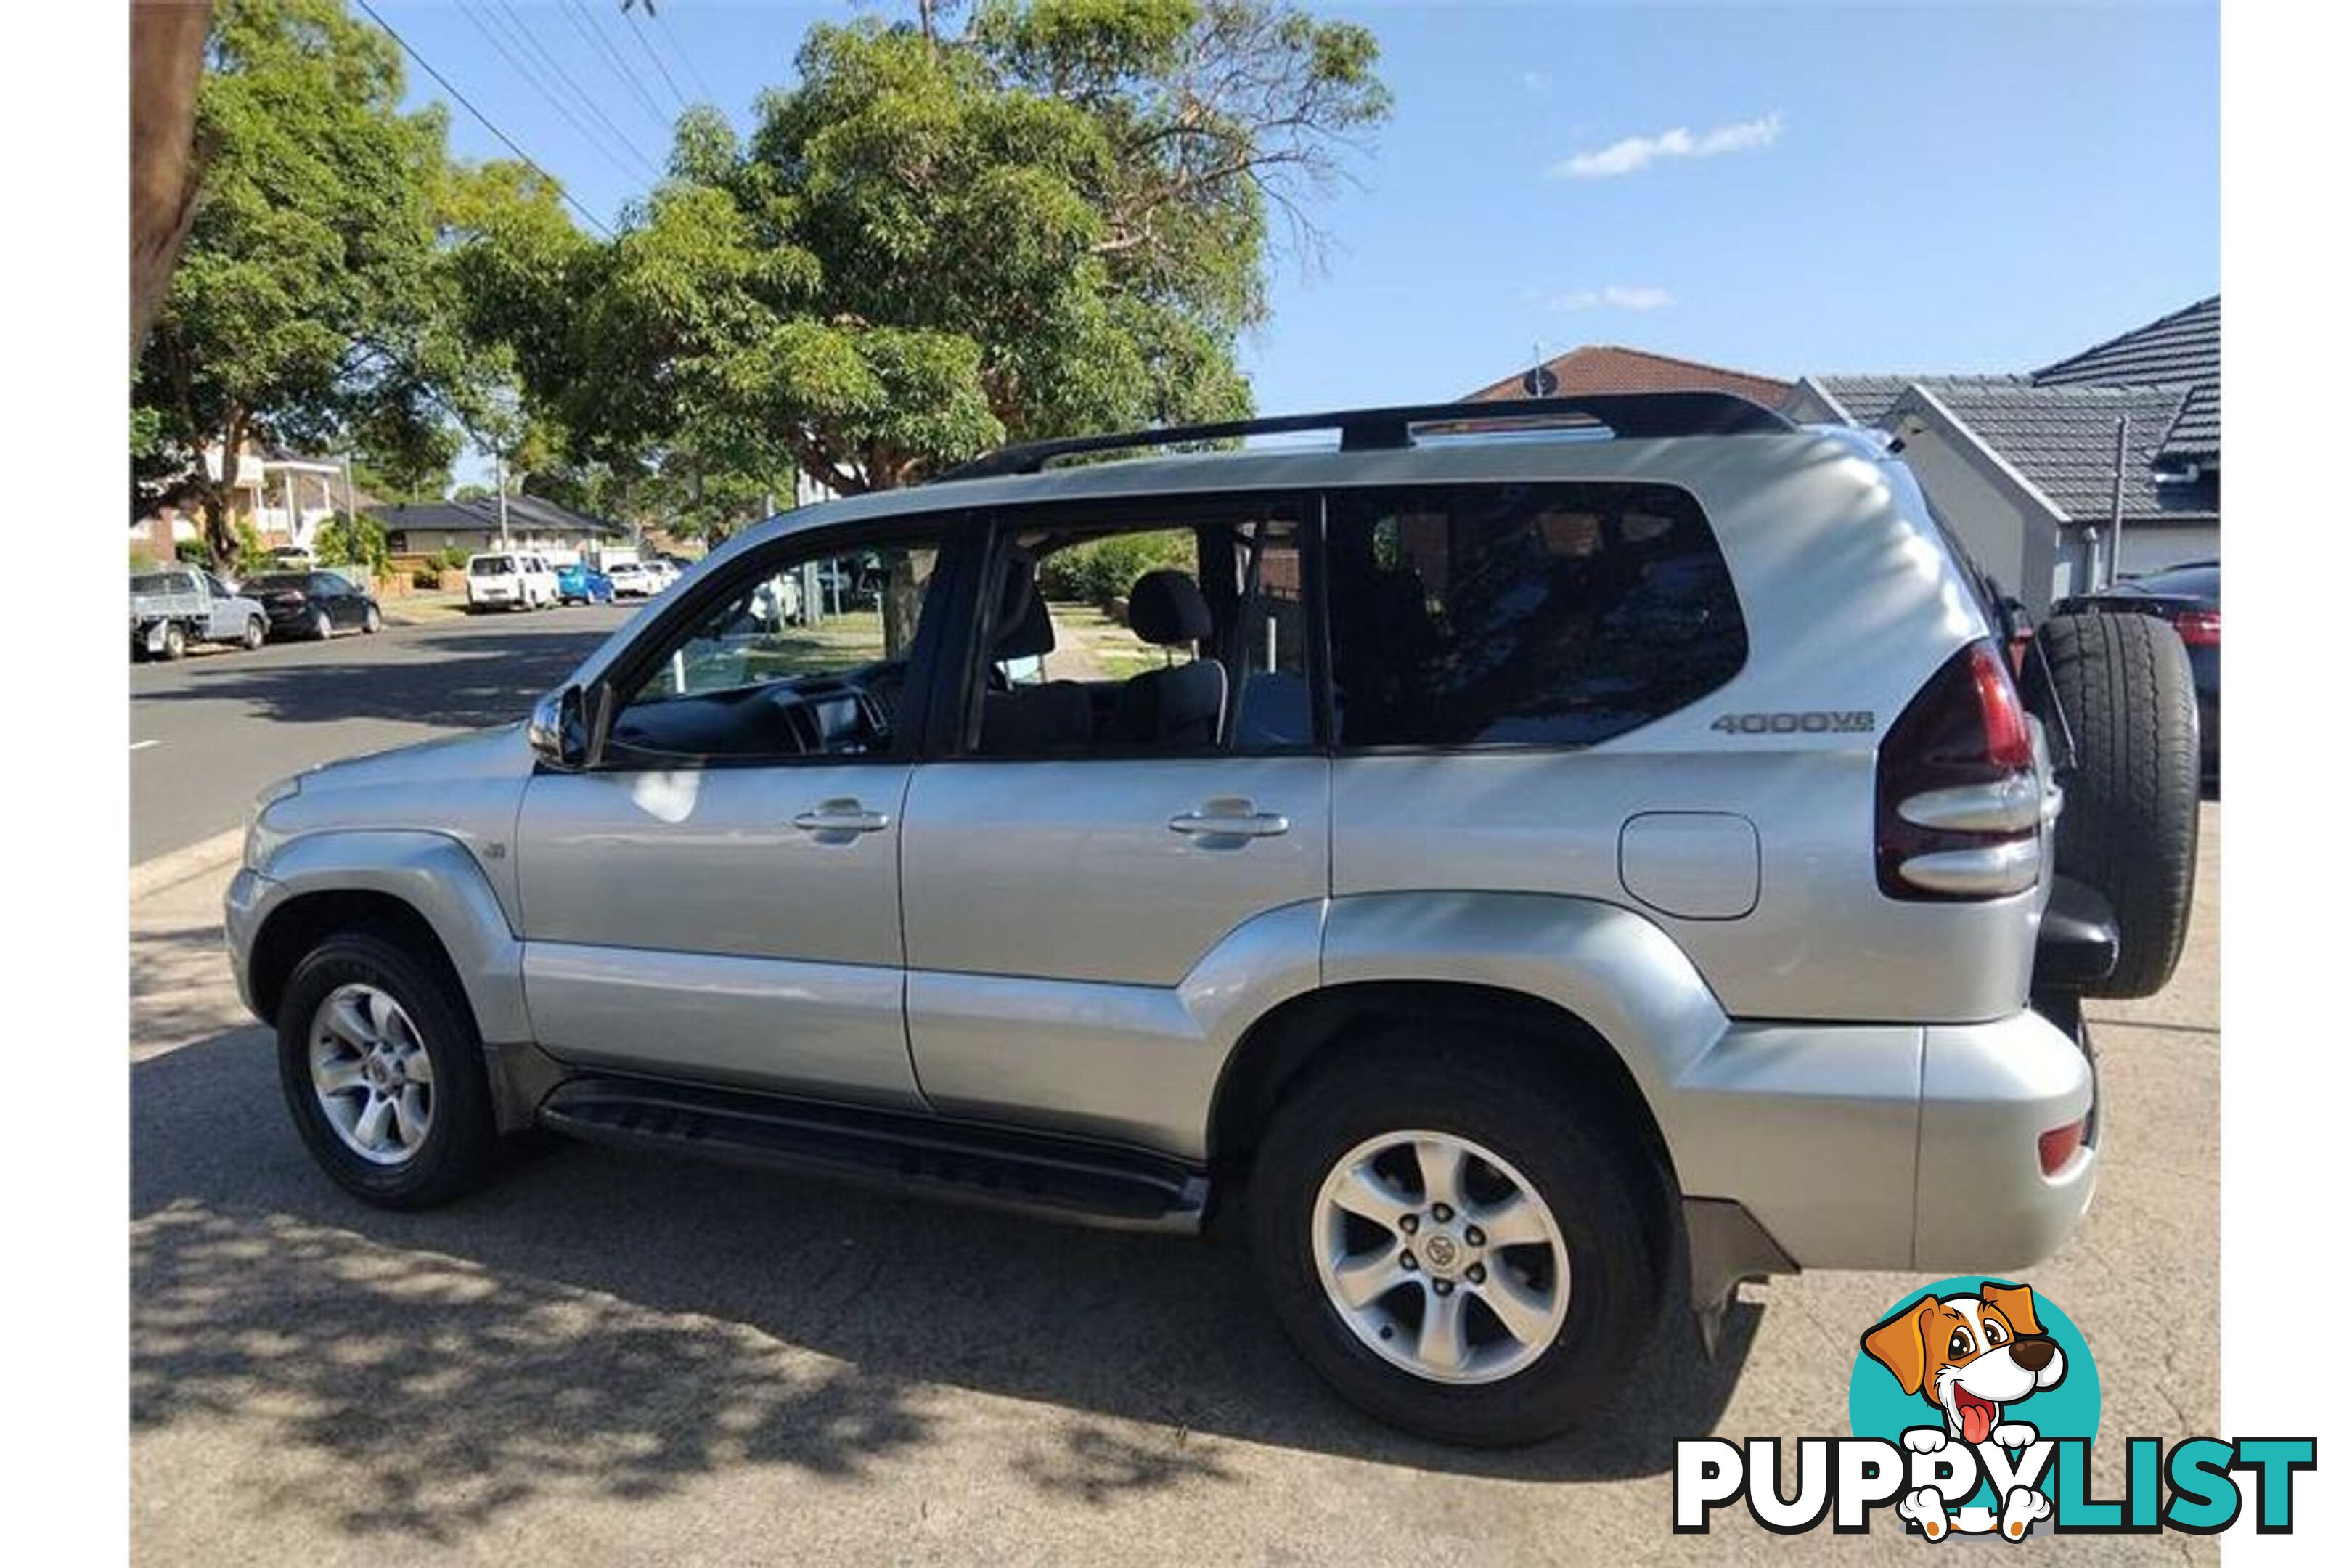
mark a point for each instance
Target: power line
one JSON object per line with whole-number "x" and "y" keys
{"x": 647, "y": 45}
{"x": 488, "y": 124}
{"x": 590, "y": 28}
{"x": 532, "y": 78}
{"x": 684, "y": 59}
{"x": 586, "y": 101}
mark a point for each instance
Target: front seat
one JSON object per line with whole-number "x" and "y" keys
{"x": 1053, "y": 716}
{"x": 1181, "y": 705}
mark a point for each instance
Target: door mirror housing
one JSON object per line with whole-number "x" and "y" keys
{"x": 564, "y": 727}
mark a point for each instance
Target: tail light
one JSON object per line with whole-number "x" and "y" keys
{"x": 1959, "y": 805}
{"x": 2058, "y": 1145}
{"x": 2199, "y": 628}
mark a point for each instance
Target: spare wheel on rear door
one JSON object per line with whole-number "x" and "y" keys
{"x": 2114, "y": 695}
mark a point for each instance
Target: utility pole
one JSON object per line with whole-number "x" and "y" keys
{"x": 2115, "y": 504}
{"x": 499, "y": 460}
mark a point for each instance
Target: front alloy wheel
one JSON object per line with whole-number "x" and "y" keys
{"x": 371, "y": 1073}
{"x": 383, "y": 1069}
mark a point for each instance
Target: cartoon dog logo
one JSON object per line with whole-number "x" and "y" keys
{"x": 1972, "y": 1358}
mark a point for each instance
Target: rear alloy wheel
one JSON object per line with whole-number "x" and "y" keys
{"x": 382, "y": 1070}
{"x": 372, "y": 622}
{"x": 322, "y": 626}
{"x": 175, "y": 641}
{"x": 256, "y": 632}
{"x": 2118, "y": 687}
{"x": 1454, "y": 1238}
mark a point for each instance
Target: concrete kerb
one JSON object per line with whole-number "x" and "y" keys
{"x": 179, "y": 866}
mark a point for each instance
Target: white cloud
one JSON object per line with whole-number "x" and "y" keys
{"x": 1635, "y": 153}
{"x": 1617, "y": 296}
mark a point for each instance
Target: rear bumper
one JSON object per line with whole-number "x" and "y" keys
{"x": 1891, "y": 1146}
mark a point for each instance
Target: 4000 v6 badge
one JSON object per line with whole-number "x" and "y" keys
{"x": 1974, "y": 1404}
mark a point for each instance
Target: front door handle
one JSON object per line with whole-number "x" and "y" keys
{"x": 1229, "y": 817}
{"x": 845, "y": 818}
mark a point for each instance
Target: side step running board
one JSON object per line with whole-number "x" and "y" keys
{"x": 1070, "y": 1179}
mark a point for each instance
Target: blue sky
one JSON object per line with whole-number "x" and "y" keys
{"x": 1780, "y": 187}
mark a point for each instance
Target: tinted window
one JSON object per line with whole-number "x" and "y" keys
{"x": 273, "y": 582}
{"x": 491, "y": 566}
{"x": 1551, "y": 615}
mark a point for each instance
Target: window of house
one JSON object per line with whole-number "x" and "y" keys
{"x": 1551, "y": 614}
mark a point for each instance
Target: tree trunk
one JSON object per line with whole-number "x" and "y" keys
{"x": 167, "y": 57}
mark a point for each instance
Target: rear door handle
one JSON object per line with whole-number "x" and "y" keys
{"x": 1229, "y": 818}
{"x": 841, "y": 817}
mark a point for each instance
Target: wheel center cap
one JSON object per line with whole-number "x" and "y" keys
{"x": 1441, "y": 1252}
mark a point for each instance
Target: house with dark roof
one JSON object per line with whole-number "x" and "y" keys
{"x": 1605, "y": 367}
{"x": 532, "y": 523}
{"x": 2106, "y": 464}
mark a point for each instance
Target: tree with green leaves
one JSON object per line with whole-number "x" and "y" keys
{"x": 311, "y": 299}
{"x": 1057, "y": 218}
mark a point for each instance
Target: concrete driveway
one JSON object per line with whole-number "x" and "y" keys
{"x": 610, "y": 1358}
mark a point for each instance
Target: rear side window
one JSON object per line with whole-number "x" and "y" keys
{"x": 1555, "y": 614}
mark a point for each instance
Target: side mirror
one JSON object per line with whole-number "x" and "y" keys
{"x": 559, "y": 728}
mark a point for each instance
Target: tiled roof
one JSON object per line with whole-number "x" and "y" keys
{"x": 1867, "y": 399}
{"x": 2062, "y": 438}
{"x": 1605, "y": 367}
{"x": 2184, "y": 350}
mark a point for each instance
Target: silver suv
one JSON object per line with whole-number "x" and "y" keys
{"x": 1540, "y": 860}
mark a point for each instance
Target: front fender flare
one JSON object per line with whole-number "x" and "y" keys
{"x": 432, "y": 873}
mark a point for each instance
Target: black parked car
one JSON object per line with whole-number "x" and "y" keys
{"x": 2190, "y": 596}
{"x": 314, "y": 603}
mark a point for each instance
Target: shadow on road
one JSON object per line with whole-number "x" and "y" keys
{"x": 472, "y": 680}
{"x": 621, "y": 1323}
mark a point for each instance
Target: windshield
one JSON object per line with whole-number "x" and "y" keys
{"x": 491, "y": 565}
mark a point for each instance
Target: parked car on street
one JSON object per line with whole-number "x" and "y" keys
{"x": 2189, "y": 598}
{"x": 577, "y": 583}
{"x": 635, "y": 579}
{"x": 176, "y": 606}
{"x": 1513, "y": 873}
{"x": 315, "y": 605}
{"x": 509, "y": 580}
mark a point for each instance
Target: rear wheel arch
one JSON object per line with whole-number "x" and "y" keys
{"x": 1312, "y": 1032}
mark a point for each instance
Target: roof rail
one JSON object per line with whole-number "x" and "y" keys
{"x": 1630, "y": 415}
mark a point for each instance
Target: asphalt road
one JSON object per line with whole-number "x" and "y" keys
{"x": 608, "y": 1358}
{"x": 208, "y": 731}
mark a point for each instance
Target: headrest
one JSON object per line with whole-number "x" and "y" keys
{"x": 1024, "y": 628}
{"x": 1165, "y": 608}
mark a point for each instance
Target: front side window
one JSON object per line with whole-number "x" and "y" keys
{"x": 1534, "y": 614}
{"x": 805, "y": 657}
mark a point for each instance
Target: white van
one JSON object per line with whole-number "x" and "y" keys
{"x": 508, "y": 579}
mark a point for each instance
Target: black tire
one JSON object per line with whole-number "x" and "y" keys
{"x": 2123, "y": 686}
{"x": 256, "y": 632}
{"x": 175, "y": 641}
{"x": 457, "y": 1150}
{"x": 1517, "y": 1099}
{"x": 322, "y": 626}
{"x": 372, "y": 622}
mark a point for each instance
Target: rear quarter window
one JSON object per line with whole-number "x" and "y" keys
{"x": 1553, "y": 614}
